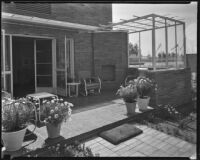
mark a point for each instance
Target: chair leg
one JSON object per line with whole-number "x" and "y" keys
{"x": 86, "y": 92}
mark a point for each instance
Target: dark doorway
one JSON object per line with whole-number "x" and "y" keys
{"x": 23, "y": 66}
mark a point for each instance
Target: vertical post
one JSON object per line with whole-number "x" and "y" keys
{"x": 93, "y": 65}
{"x": 4, "y": 59}
{"x": 184, "y": 44}
{"x": 166, "y": 42}
{"x": 11, "y": 65}
{"x": 176, "y": 45}
{"x": 139, "y": 51}
{"x": 153, "y": 43}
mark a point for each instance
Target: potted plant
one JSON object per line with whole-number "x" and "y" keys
{"x": 144, "y": 86}
{"x": 55, "y": 112}
{"x": 16, "y": 115}
{"x": 129, "y": 95}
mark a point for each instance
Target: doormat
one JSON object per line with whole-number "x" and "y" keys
{"x": 120, "y": 134}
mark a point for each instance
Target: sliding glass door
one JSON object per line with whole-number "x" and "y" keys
{"x": 6, "y": 62}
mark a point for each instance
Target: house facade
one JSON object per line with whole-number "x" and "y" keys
{"x": 43, "y": 45}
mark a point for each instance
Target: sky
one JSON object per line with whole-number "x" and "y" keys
{"x": 185, "y": 12}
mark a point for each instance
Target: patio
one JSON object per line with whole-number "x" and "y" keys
{"x": 87, "y": 122}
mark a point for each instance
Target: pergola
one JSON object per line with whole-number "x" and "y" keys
{"x": 150, "y": 22}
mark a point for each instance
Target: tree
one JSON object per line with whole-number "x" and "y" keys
{"x": 133, "y": 49}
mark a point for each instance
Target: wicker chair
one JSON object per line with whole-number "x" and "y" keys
{"x": 89, "y": 83}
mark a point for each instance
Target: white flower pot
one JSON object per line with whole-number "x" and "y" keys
{"x": 13, "y": 140}
{"x": 143, "y": 103}
{"x": 130, "y": 108}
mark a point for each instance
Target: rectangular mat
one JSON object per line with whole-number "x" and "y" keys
{"x": 121, "y": 133}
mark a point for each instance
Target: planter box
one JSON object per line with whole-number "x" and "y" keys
{"x": 174, "y": 86}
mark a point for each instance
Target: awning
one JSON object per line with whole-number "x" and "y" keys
{"x": 51, "y": 22}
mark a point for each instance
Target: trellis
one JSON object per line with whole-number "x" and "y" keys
{"x": 150, "y": 22}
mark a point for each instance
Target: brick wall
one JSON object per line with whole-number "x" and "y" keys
{"x": 89, "y": 14}
{"x": 83, "y": 53}
{"x": 192, "y": 62}
{"x": 92, "y": 52}
{"x": 111, "y": 49}
{"x": 174, "y": 86}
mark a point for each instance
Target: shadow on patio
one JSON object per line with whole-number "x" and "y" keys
{"x": 92, "y": 101}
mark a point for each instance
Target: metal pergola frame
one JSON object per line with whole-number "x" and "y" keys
{"x": 140, "y": 24}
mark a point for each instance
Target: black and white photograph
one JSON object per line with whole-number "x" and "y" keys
{"x": 106, "y": 79}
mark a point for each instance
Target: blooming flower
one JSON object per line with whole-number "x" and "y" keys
{"x": 52, "y": 111}
{"x": 56, "y": 108}
{"x": 56, "y": 116}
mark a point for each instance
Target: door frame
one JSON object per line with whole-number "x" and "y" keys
{"x": 53, "y": 39}
{"x": 4, "y": 72}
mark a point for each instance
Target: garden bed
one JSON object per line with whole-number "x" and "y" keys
{"x": 179, "y": 122}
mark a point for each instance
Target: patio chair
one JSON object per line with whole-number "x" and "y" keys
{"x": 89, "y": 84}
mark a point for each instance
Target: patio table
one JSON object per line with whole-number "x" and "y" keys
{"x": 39, "y": 97}
{"x": 73, "y": 84}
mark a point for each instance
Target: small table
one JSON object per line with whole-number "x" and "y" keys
{"x": 70, "y": 85}
{"x": 38, "y": 97}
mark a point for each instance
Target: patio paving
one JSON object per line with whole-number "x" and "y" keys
{"x": 150, "y": 143}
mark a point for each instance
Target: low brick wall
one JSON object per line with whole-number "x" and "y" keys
{"x": 174, "y": 86}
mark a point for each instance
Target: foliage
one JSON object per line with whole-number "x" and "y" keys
{"x": 168, "y": 112}
{"x": 128, "y": 93}
{"x": 56, "y": 110}
{"x": 133, "y": 49}
{"x": 16, "y": 114}
{"x": 145, "y": 86}
{"x": 74, "y": 150}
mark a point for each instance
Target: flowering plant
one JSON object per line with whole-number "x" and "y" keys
{"x": 76, "y": 149}
{"x": 16, "y": 114}
{"x": 145, "y": 86}
{"x": 128, "y": 93}
{"x": 56, "y": 111}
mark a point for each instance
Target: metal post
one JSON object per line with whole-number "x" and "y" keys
{"x": 153, "y": 43}
{"x": 184, "y": 44}
{"x": 166, "y": 42}
{"x": 176, "y": 45}
{"x": 139, "y": 51}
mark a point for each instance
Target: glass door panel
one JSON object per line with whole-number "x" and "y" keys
{"x": 43, "y": 66}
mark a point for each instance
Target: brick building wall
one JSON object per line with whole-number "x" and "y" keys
{"x": 89, "y": 14}
{"x": 110, "y": 55}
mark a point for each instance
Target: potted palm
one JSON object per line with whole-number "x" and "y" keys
{"x": 144, "y": 86}
{"x": 16, "y": 115}
{"x": 129, "y": 95}
{"x": 55, "y": 112}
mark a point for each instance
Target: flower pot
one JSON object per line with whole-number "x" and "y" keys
{"x": 130, "y": 108}
{"x": 13, "y": 140}
{"x": 53, "y": 130}
{"x": 143, "y": 103}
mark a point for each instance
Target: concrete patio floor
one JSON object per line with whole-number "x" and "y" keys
{"x": 151, "y": 143}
